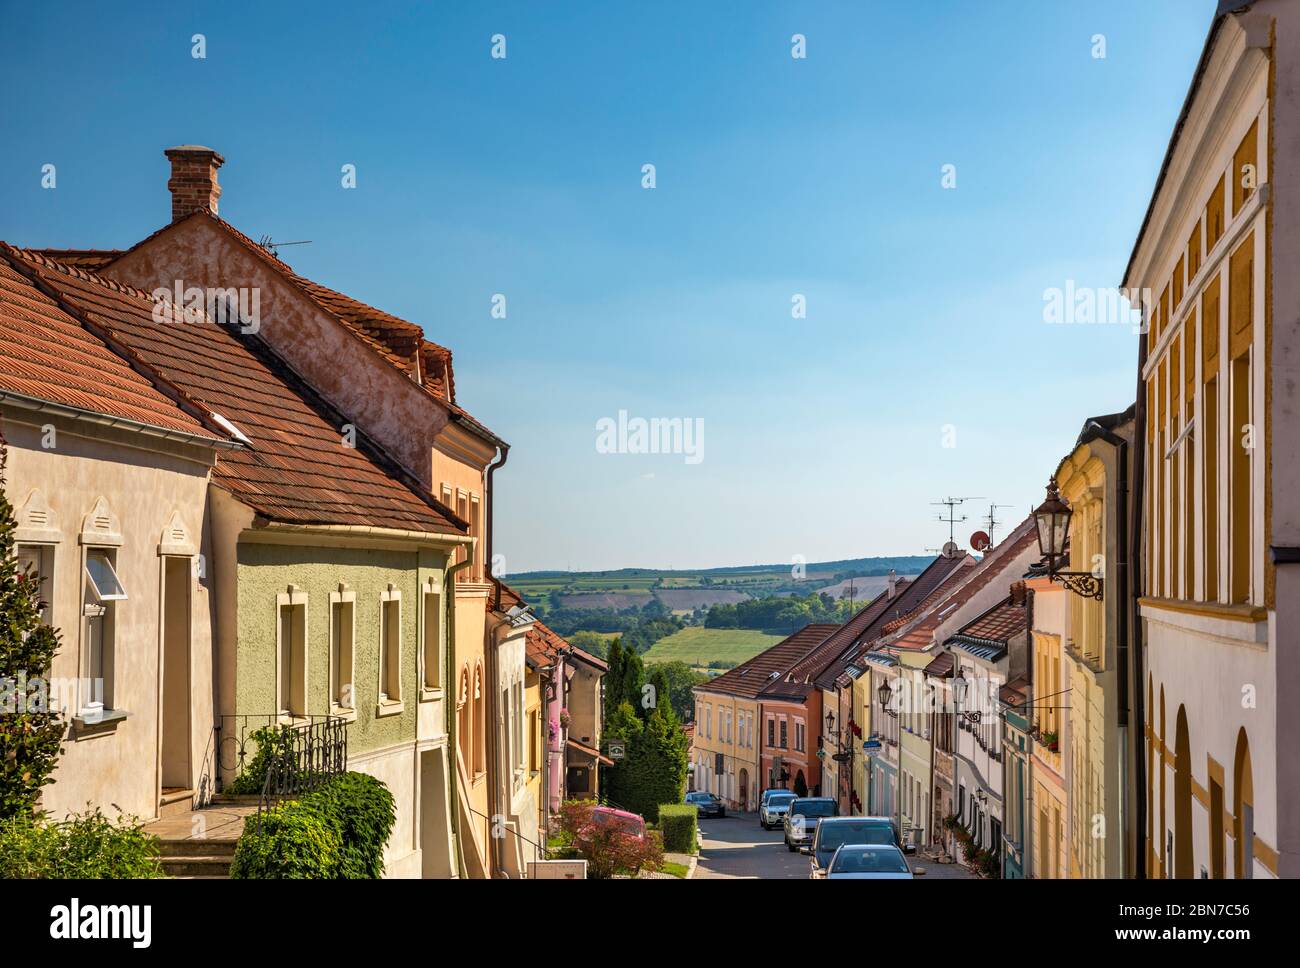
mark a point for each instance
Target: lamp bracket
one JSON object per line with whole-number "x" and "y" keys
{"x": 1082, "y": 583}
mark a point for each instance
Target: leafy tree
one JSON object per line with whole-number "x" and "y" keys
{"x": 653, "y": 770}
{"x": 589, "y": 642}
{"x": 613, "y": 679}
{"x": 30, "y": 733}
{"x": 682, "y": 680}
{"x": 608, "y": 848}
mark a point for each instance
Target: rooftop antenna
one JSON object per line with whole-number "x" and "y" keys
{"x": 991, "y": 519}
{"x": 952, "y": 503}
{"x": 271, "y": 246}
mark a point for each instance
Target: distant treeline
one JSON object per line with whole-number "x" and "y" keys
{"x": 640, "y": 628}
{"x": 848, "y": 568}
{"x": 785, "y": 614}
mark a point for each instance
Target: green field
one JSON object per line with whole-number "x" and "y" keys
{"x": 699, "y": 646}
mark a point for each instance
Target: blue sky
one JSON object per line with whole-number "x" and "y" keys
{"x": 823, "y": 436}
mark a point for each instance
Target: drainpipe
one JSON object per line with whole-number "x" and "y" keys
{"x": 449, "y": 710}
{"x": 1137, "y": 730}
{"x": 494, "y": 791}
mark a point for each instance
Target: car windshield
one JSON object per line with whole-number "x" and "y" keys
{"x": 855, "y": 861}
{"x": 779, "y": 799}
{"x": 831, "y": 835}
{"x": 813, "y": 808}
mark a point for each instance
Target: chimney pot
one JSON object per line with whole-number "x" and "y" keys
{"x": 194, "y": 179}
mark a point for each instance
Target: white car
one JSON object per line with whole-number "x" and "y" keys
{"x": 775, "y": 805}
{"x": 868, "y": 862}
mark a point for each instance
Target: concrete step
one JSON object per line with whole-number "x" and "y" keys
{"x": 196, "y": 848}
{"x": 210, "y": 866}
{"x": 175, "y": 803}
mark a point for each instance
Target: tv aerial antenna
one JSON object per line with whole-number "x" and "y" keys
{"x": 271, "y": 246}
{"x": 952, "y": 520}
{"x": 991, "y": 518}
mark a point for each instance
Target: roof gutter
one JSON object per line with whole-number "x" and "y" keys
{"x": 363, "y": 530}
{"x": 37, "y": 405}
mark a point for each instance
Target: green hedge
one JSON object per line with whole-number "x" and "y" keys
{"x": 86, "y": 845}
{"x": 337, "y": 831}
{"x": 678, "y": 822}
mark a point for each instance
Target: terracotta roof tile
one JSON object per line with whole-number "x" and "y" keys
{"x": 1003, "y": 621}
{"x": 921, "y": 635}
{"x": 857, "y": 634}
{"x": 47, "y": 354}
{"x": 91, "y": 259}
{"x": 749, "y": 678}
{"x": 296, "y": 468}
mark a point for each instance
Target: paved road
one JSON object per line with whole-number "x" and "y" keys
{"x": 736, "y": 846}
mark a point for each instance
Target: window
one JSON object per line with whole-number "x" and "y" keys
{"x": 480, "y": 722}
{"x": 1210, "y": 434}
{"x": 464, "y": 724}
{"x": 1241, "y": 294}
{"x": 291, "y": 653}
{"x": 432, "y": 627}
{"x": 103, "y": 590}
{"x": 534, "y": 739}
{"x": 1245, "y": 173}
{"x": 517, "y": 723}
{"x": 1214, "y": 216}
{"x": 771, "y": 732}
{"x": 342, "y": 636}
{"x": 798, "y": 736}
{"x": 390, "y": 648}
{"x": 462, "y": 511}
{"x": 38, "y": 561}
{"x": 783, "y": 734}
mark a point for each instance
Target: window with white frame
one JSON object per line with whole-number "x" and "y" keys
{"x": 38, "y": 561}
{"x": 390, "y": 646}
{"x": 291, "y": 652}
{"x": 103, "y": 590}
{"x": 343, "y": 627}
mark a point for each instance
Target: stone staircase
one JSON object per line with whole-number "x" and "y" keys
{"x": 200, "y": 843}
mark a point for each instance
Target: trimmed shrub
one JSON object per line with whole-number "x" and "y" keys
{"x": 291, "y": 844}
{"x": 607, "y": 848}
{"x": 86, "y": 845}
{"x": 336, "y": 831}
{"x": 679, "y": 823}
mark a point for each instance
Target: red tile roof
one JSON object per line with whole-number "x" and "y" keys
{"x": 543, "y": 646}
{"x": 296, "y": 469}
{"x": 856, "y": 635}
{"x": 91, "y": 259}
{"x": 47, "y": 354}
{"x": 749, "y": 678}
{"x": 1015, "y": 692}
{"x": 1005, "y": 620}
{"x": 921, "y": 635}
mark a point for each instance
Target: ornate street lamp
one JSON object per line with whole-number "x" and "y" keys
{"x": 960, "y": 689}
{"x": 1052, "y": 518}
{"x": 884, "y": 693}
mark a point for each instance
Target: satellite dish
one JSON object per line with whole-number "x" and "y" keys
{"x": 950, "y": 549}
{"x": 980, "y": 541}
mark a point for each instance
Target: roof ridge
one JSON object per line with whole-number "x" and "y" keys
{"x": 40, "y": 258}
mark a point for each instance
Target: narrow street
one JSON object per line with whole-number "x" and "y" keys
{"x": 735, "y": 846}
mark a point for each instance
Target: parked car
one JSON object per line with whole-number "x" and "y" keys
{"x": 631, "y": 824}
{"x": 706, "y": 804}
{"x": 773, "y": 808}
{"x": 833, "y": 832}
{"x": 867, "y": 862}
{"x": 802, "y": 816}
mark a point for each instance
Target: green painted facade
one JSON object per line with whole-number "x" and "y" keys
{"x": 267, "y": 570}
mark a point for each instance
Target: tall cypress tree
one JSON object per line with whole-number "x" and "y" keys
{"x": 30, "y": 734}
{"x": 614, "y": 679}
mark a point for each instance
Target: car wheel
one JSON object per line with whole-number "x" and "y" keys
{"x": 789, "y": 846}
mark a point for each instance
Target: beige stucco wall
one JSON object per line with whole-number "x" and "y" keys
{"x": 142, "y": 483}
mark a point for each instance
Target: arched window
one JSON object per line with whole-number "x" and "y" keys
{"x": 480, "y": 722}
{"x": 1243, "y": 811}
{"x": 1183, "y": 861}
{"x": 1151, "y": 776}
{"x": 463, "y": 724}
{"x": 1160, "y": 762}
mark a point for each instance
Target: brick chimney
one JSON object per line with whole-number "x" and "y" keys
{"x": 194, "y": 179}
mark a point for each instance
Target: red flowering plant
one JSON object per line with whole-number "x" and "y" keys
{"x": 609, "y": 848}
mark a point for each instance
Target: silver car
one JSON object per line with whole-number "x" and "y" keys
{"x": 775, "y": 805}
{"x": 868, "y": 862}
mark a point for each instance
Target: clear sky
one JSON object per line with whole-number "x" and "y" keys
{"x": 823, "y": 436}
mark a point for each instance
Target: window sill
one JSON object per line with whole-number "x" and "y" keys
{"x": 106, "y": 722}
{"x": 430, "y": 695}
{"x": 348, "y": 715}
{"x": 388, "y": 707}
